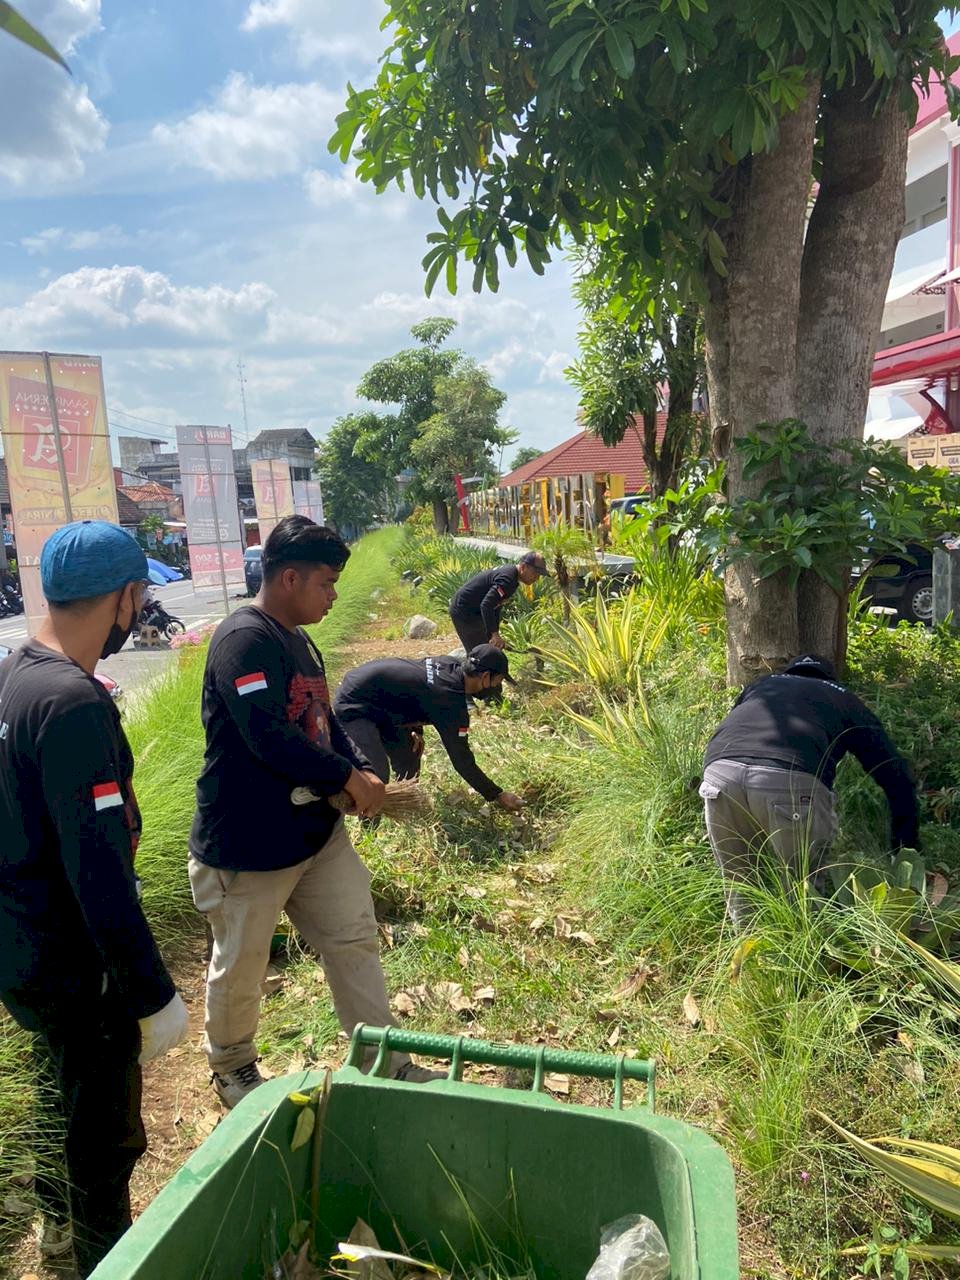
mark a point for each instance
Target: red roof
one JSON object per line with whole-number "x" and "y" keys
{"x": 935, "y": 104}
{"x": 152, "y": 491}
{"x": 586, "y": 453}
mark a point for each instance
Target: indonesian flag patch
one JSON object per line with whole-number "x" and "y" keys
{"x": 462, "y": 733}
{"x": 106, "y": 795}
{"x": 252, "y": 683}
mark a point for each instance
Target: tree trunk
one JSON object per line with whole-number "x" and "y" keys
{"x": 755, "y": 330}
{"x": 441, "y": 516}
{"x": 849, "y": 252}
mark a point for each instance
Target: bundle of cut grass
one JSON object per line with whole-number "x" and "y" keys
{"x": 404, "y": 800}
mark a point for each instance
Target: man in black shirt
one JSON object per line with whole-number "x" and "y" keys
{"x": 253, "y": 853}
{"x": 475, "y": 608}
{"x": 769, "y": 772}
{"x": 78, "y": 964}
{"x": 384, "y": 705}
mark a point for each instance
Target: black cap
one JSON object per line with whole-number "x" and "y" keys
{"x": 811, "y": 664}
{"x": 534, "y": 560}
{"x": 487, "y": 657}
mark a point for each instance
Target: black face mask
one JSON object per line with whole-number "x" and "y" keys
{"x": 487, "y": 695}
{"x": 117, "y": 636}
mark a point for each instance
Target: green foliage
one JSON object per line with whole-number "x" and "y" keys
{"x": 523, "y": 456}
{"x": 357, "y": 485}
{"x": 617, "y": 120}
{"x": 446, "y": 421}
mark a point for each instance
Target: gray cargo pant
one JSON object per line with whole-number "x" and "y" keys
{"x": 764, "y": 822}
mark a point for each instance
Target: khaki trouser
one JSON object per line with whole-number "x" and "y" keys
{"x": 766, "y": 823}
{"x": 327, "y": 899}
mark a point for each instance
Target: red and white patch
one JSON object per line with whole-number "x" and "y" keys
{"x": 462, "y": 733}
{"x": 106, "y": 795}
{"x": 502, "y": 593}
{"x": 252, "y": 683}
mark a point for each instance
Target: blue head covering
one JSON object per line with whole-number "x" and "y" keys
{"x": 89, "y": 558}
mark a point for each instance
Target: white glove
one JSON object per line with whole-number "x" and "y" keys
{"x": 163, "y": 1030}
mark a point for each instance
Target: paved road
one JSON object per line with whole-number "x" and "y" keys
{"x": 133, "y": 667}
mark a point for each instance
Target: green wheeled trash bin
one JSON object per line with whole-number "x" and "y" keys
{"x": 450, "y": 1172}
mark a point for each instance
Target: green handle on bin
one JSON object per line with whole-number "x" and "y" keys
{"x": 538, "y": 1059}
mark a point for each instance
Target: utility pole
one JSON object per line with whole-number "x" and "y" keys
{"x": 243, "y": 399}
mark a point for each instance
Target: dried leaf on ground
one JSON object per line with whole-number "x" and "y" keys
{"x": 370, "y": 1268}
{"x": 557, "y": 1084}
{"x": 451, "y": 994}
{"x": 404, "y": 1004}
{"x": 475, "y": 891}
{"x": 691, "y": 1010}
{"x": 386, "y": 933}
{"x": 208, "y": 1122}
{"x": 914, "y": 1072}
{"x": 587, "y": 939}
{"x": 418, "y": 930}
{"x": 613, "y": 1039}
{"x": 534, "y": 872}
{"x": 485, "y": 995}
{"x": 537, "y": 924}
{"x": 635, "y": 981}
{"x": 463, "y": 958}
{"x": 937, "y": 886}
{"x": 561, "y": 927}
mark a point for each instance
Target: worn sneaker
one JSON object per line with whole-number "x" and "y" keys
{"x": 231, "y": 1086}
{"x": 55, "y": 1240}
{"x": 413, "y": 1074}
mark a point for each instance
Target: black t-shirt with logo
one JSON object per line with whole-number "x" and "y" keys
{"x": 486, "y": 593}
{"x": 269, "y": 728}
{"x": 397, "y": 692}
{"x": 70, "y": 922}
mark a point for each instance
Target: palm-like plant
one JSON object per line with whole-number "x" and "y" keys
{"x": 569, "y": 549}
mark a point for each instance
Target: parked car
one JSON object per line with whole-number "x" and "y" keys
{"x": 111, "y": 686}
{"x": 253, "y": 569}
{"x": 901, "y": 581}
{"x": 627, "y": 507}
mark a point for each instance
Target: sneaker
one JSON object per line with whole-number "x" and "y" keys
{"x": 55, "y": 1240}
{"x": 231, "y": 1086}
{"x": 413, "y": 1074}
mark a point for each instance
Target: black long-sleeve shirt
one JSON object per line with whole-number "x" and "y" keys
{"x": 398, "y": 692}
{"x": 266, "y": 713}
{"x": 69, "y": 915}
{"x": 809, "y": 724}
{"x": 486, "y": 594}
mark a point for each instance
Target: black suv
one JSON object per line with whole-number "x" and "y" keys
{"x": 902, "y": 581}
{"x": 253, "y": 569}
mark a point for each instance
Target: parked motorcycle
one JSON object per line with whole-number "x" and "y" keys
{"x": 12, "y": 598}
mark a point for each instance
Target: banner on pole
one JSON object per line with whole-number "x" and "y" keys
{"x": 210, "y": 505}
{"x": 273, "y": 493}
{"x": 308, "y": 499}
{"x": 58, "y": 455}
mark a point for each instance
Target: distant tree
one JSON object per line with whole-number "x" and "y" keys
{"x": 523, "y": 456}
{"x": 151, "y": 528}
{"x": 355, "y": 489}
{"x": 458, "y": 439}
{"x": 446, "y": 419}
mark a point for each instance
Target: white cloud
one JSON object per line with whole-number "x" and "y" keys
{"x": 323, "y": 189}
{"x": 253, "y": 131}
{"x": 51, "y": 126}
{"x": 322, "y": 29}
{"x": 132, "y": 300}
{"x": 77, "y": 241}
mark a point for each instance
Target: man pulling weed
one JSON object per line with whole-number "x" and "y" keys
{"x": 384, "y": 705}
{"x": 78, "y": 964}
{"x": 769, "y": 772}
{"x": 253, "y": 854}
{"x": 475, "y": 608}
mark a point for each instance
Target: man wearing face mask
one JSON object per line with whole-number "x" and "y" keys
{"x": 384, "y": 705}
{"x": 78, "y": 964}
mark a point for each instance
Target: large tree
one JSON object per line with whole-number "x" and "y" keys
{"x": 445, "y": 421}
{"x": 524, "y": 455}
{"x": 683, "y": 140}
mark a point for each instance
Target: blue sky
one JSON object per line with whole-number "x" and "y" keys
{"x": 173, "y": 206}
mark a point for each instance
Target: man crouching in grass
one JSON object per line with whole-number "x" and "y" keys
{"x": 253, "y": 854}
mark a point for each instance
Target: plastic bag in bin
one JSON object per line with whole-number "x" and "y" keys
{"x": 631, "y": 1248}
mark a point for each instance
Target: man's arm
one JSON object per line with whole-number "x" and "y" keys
{"x": 454, "y": 734}
{"x": 867, "y": 740}
{"x": 83, "y": 789}
{"x": 505, "y": 582}
{"x": 250, "y": 676}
